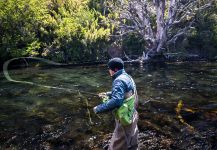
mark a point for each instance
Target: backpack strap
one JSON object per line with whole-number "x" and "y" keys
{"x": 134, "y": 91}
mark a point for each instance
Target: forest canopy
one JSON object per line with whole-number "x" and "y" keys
{"x": 85, "y": 30}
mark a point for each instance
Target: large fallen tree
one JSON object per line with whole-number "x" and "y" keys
{"x": 159, "y": 22}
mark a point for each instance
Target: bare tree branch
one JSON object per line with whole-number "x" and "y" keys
{"x": 137, "y": 16}
{"x": 180, "y": 33}
{"x": 171, "y": 11}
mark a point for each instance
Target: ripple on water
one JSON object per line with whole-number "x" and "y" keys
{"x": 40, "y": 118}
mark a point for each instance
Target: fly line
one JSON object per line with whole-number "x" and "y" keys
{"x": 8, "y": 77}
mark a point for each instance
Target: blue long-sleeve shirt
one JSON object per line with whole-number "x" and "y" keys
{"x": 122, "y": 84}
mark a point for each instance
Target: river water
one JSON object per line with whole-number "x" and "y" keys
{"x": 178, "y": 107}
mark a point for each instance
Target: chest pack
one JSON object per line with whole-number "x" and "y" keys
{"x": 125, "y": 113}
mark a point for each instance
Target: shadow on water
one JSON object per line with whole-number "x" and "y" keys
{"x": 178, "y": 107}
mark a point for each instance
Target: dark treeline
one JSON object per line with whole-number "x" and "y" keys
{"x": 89, "y": 30}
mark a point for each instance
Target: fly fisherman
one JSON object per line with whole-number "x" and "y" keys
{"x": 122, "y": 101}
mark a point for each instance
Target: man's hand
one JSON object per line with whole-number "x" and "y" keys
{"x": 102, "y": 95}
{"x": 94, "y": 109}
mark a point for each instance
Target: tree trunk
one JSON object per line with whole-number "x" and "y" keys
{"x": 160, "y": 38}
{"x": 65, "y": 56}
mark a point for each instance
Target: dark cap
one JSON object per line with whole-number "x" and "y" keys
{"x": 115, "y": 63}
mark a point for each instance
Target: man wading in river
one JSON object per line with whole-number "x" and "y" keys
{"x": 122, "y": 101}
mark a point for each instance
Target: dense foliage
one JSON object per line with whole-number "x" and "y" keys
{"x": 203, "y": 38}
{"x": 67, "y": 30}
{"x": 78, "y": 30}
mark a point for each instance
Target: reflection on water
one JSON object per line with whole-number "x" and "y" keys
{"x": 41, "y": 118}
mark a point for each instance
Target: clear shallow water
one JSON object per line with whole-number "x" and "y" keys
{"x": 41, "y": 118}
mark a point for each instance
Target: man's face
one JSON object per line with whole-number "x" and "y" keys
{"x": 111, "y": 72}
